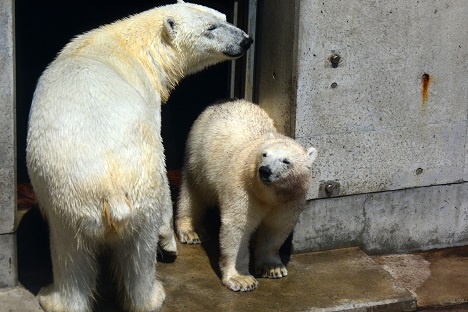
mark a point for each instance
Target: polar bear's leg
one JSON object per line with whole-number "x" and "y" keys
{"x": 166, "y": 232}
{"x": 236, "y": 229}
{"x": 75, "y": 271}
{"x": 271, "y": 235}
{"x": 190, "y": 213}
{"x": 134, "y": 267}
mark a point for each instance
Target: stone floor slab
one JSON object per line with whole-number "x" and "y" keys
{"x": 437, "y": 278}
{"x": 339, "y": 280}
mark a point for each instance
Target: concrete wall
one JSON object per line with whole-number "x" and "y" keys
{"x": 8, "y": 271}
{"x": 387, "y": 222}
{"x": 389, "y": 115}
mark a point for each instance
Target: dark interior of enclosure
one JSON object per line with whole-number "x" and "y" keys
{"x": 44, "y": 27}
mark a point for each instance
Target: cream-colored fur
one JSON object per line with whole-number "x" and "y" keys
{"x": 95, "y": 154}
{"x": 259, "y": 179}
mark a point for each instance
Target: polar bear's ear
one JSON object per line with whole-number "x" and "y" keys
{"x": 312, "y": 153}
{"x": 180, "y": 1}
{"x": 169, "y": 28}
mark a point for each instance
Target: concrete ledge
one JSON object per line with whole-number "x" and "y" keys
{"x": 437, "y": 278}
{"x": 387, "y": 222}
{"x": 18, "y": 299}
{"x": 8, "y": 261}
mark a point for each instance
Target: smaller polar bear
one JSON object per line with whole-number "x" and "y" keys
{"x": 258, "y": 177}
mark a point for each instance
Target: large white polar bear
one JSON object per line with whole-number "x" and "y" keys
{"x": 259, "y": 178}
{"x": 95, "y": 154}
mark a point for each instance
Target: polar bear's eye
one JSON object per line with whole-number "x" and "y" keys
{"x": 285, "y": 161}
{"x": 211, "y": 27}
{"x": 264, "y": 155}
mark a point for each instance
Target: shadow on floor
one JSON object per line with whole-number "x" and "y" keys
{"x": 34, "y": 262}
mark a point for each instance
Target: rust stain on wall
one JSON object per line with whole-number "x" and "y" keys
{"x": 425, "y": 79}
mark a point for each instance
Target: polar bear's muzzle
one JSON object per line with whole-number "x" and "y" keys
{"x": 241, "y": 48}
{"x": 246, "y": 43}
{"x": 264, "y": 172}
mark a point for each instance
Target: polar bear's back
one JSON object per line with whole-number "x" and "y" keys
{"x": 219, "y": 138}
{"x": 81, "y": 138}
{"x": 225, "y": 129}
{"x": 235, "y": 122}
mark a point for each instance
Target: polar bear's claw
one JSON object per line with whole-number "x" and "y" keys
{"x": 272, "y": 271}
{"x": 241, "y": 283}
{"x": 189, "y": 237}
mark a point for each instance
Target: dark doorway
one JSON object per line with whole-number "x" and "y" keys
{"x": 44, "y": 27}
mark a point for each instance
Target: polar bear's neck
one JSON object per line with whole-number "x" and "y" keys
{"x": 146, "y": 43}
{"x": 163, "y": 71}
{"x": 136, "y": 50}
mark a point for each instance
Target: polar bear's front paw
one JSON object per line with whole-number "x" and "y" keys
{"x": 238, "y": 282}
{"x": 189, "y": 237}
{"x": 272, "y": 270}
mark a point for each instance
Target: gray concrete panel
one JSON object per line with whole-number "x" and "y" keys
{"x": 389, "y": 159}
{"x": 385, "y": 49}
{"x": 8, "y": 268}
{"x": 7, "y": 121}
{"x": 368, "y": 116}
{"x": 387, "y": 222}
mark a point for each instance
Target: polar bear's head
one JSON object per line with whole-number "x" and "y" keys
{"x": 203, "y": 35}
{"x": 285, "y": 163}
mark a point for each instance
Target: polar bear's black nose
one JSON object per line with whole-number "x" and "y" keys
{"x": 265, "y": 173}
{"x": 246, "y": 43}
